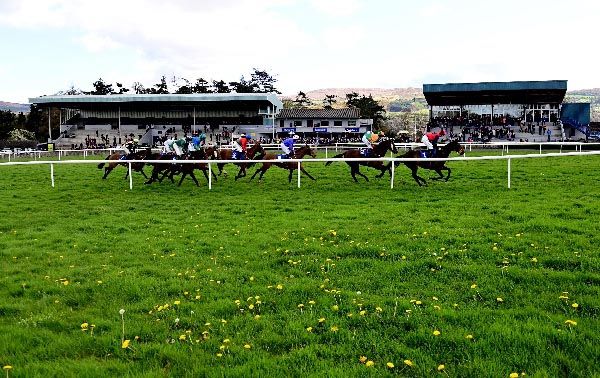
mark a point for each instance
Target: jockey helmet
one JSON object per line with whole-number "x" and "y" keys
{"x": 136, "y": 140}
{"x": 296, "y": 136}
{"x": 242, "y": 135}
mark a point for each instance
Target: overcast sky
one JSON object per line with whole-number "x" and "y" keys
{"x": 51, "y": 45}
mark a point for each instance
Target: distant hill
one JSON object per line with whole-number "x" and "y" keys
{"x": 15, "y": 108}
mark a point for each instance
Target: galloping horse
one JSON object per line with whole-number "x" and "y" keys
{"x": 437, "y": 166}
{"x": 170, "y": 167}
{"x": 298, "y": 154}
{"x": 226, "y": 153}
{"x": 116, "y": 157}
{"x": 379, "y": 150}
{"x": 188, "y": 169}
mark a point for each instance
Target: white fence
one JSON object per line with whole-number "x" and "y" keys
{"x": 393, "y": 161}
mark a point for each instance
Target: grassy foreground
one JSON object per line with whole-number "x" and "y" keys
{"x": 464, "y": 278}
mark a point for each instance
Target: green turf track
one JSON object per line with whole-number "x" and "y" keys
{"x": 496, "y": 260}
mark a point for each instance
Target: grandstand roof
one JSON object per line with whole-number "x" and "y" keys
{"x": 512, "y": 92}
{"x": 345, "y": 113}
{"x": 168, "y": 100}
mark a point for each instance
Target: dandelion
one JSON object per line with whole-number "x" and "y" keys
{"x": 197, "y": 297}
{"x": 362, "y": 359}
{"x": 7, "y": 368}
{"x": 247, "y": 346}
{"x": 334, "y": 328}
{"x": 408, "y": 363}
{"x": 251, "y": 306}
{"x": 499, "y": 300}
{"x": 473, "y": 286}
{"x": 514, "y": 375}
{"x": 65, "y": 282}
{"x": 279, "y": 287}
{"x": 436, "y": 333}
{"x": 370, "y": 363}
{"x": 226, "y": 341}
{"x": 256, "y": 317}
{"x": 177, "y": 303}
{"x": 122, "y": 312}
{"x": 84, "y": 326}
{"x": 311, "y": 303}
{"x": 125, "y": 344}
{"x": 570, "y": 322}
{"x": 219, "y": 355}
{"x": 309, "y": 329}
{"x": 321, "y": 320}
{"x": 335, "y": 307}
{"x": 534, "y": 259}
{"x": 362, "y": 313}
{"x": 182, "y": 337}
{"x": 441, "y": 367}
{"x": 575, "y": 305}
{"x": 390, "y": 365}
{"x": 469, "y": 337}
{"x": 418, "y": 303}
{"x": 378, "y": 309}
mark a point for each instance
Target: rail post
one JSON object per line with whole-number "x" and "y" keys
{"x": 393, "y": 169}
{"x": 508, "y": 173}
{"x": 326, "y": 156}
{"x": 209, "y": 177}
{"x": 299, "y": 174}
{"x": 52, "y": 174}
{"x": 540, "y": 148}
{"x": 130, "y": 178}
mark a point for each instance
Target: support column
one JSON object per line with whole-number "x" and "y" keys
{"x": 194, "y": 127}
{"x": 49, "y": 126}
{"x": 120, "y": 122}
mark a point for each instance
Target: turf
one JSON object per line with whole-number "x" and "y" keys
{"x": 267, "y": 279}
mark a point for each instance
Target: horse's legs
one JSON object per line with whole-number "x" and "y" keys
{"x": 106, "y": 172}
{"x": 220, "y": 166}
{"x": 420, "y": 180}
{"x": 182, "y": 177}
{"x": 193, "y": 176}
{"x": 241, "y": 172}
{"x": 356, "y": 171}
{"x": 143, "y": 173}
{"x": 449, "y": 171}
{"x": 306, "y": 173}
{"x": 290, "y": 176}
{"x": 353, "y": 171}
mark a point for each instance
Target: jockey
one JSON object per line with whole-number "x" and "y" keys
{"x": 168, "y": 145}
{"x": 288, "y": 145}
{"x": 130, "y": 146}
{"x": 179, "y": 146}
{"x": 202, "y": 138}
{"x": 239, "y": 147}
{"x": 430, "y": 140}
{"x": 369, "y": 138}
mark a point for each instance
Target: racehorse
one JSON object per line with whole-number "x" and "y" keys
{"x": 281, "y": 163}
{"x": 437, "y": 166}
{"x": 170, "y": 167}
{"x": 116, "y": 157}
{"x": 256, "y": 150}
{"x": 188, "y": 169}
{"x": 379, "y": 150}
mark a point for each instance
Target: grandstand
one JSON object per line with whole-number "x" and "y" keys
{"x": 518, "y": 110}
{"x": 103, "y": 121}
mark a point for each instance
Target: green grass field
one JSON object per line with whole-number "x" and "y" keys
{"x": 465, "y": 278}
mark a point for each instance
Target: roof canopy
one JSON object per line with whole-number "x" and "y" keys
{"x": 204, "y": 100}
{"x": 512, "y": 92}
{"x": 345, "y": 113}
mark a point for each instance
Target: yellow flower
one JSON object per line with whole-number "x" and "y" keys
{"x": 65, "y": 282}
{"x": 84, "y": 326}
{"x": 436, "y": 333}
{"x": 301, "y": 305}
{"x": 334, "y": 329}
{"x": 251, "y": 306}
{"x": 534, "y": 259}
{"x": 311, "y": 302}
{"x": 514, "y": 375}
{"x": 362, "y": 359}
{"x": 197, "y": 297}
{"x": 309, "y": 329}
{"x": 335, "y": 307}
{"x": 570, "y": 322}
{"x": 279, "y": 287}
{"x": 322, "y": 320}
{"x": 499, "y": 299}
{"x": 6, "y": 367}
{"x": 575, "y": 305}
{"x": 177, "y": 303}
{"x": 256, "y": 317}
{"x": 418, "y": 303}
{"x": 247, "y": 346}
{"x": 226, "y": 341}
{"x": 369, "y": 363}
{"x": 408, "y": 363}
{"x": 441, "y": 367}
{"x": 125, "y": 344}
{"x": 473, "y": 286}
{"x": 378, "y": 309}
{"x": 182, "y": 337}
{"x": 362, "y": 313}
{"x": 390, "y": 365}
{"x": 219, "y": 355}
{"x": 469, "y": 337}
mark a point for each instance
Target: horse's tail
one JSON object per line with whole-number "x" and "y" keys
{"x": 335, "y": 157}
{"x": 101, "y": 165}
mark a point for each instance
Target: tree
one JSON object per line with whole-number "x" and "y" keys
{"x": 161, "y": 88}
{"x": 263, "y": 82}
{"x": 72, "y": 91}
{"x": 369, "y": 108}
{"x": 302, "y": 101}
{"x": 122, "y": 89}
{"x": 201, "y": 86}
{"x": 244, "y": 86}
{"x": 221, "y": 87}
{"x": 328, "y": 101}
{"x": 186, "y": 88}
{"x": 138, "y": 88}
{"x": 101, "y": 88}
